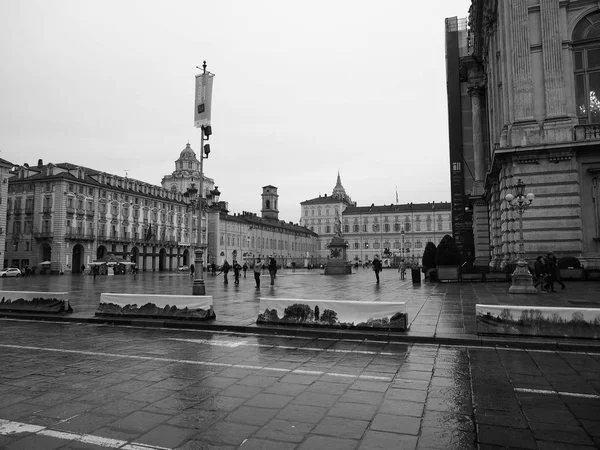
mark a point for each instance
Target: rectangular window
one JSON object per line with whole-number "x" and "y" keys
{"x": 346, "y": 228}
{"x": 327, "y": 229}
{"x": 355, "y": 228}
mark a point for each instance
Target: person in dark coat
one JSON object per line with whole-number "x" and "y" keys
{"x": 552, "y": 257}
{"x": 245, "y": 268}
{"x": 377, "y": 267}
{"x": 236, "y": 272}
{"x": 272, "y": 270}
{"x": 539, "y": 272}
{"x": 225, "y": 269}
{"x": 257, "y": 268}
{"x": 550, "y": 273}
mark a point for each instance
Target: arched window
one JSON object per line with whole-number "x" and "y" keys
{"x": 586, "y": 59}
{"x": 268, "y": 204}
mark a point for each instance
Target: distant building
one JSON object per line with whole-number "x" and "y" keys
{"x": 187, "y": 171}
{"x": 321, "y": 214}
{"x": 5, "y": 168}
{"x": 523, "y": 104}
{"x": 369, "y": 230}
{"x": 394, "y": 232}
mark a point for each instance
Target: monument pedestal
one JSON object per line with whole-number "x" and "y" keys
{"x": 337, "y": 263}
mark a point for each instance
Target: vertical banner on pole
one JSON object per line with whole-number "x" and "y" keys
{"x": 202, "y": 101}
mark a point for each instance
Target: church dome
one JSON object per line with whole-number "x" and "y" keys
{"x": 187, "y": 152}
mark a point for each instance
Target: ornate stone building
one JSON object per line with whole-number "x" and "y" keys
{"x": 323, "y": 214}
{"x": 522, "y": 95}
{"x": 187, "y": 171}
{"x": 5, "y": 168}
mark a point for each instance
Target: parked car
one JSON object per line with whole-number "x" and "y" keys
{"x": 183, "y": 268}
{"x": 10, "y": 272}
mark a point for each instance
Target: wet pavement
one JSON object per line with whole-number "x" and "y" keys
{"x": 92, "y": 386}
{"x": 437, "y": 312}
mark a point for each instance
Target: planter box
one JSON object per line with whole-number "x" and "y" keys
{"x": 448, "y": 273}
{"x": 341, "y": 314}
{"x": 35, "y": 302}
{"x": 158, "y": 306}
{"x": 571, "y": 274}
{"x": 538, "y": 321}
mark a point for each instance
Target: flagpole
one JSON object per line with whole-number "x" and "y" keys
{"x": 199, "y": 287}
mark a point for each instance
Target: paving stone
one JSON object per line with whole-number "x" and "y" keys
{"x": 195, "y": 418}
{"x": 371, "y": 386}
{"x": 220, "y": 403}
{"x": 406, "y": 394}
{"x": 341, "y": 427}
{"x": 328, "y": 388}
{"x": 446, "y": 438}
{"x": 84, "y": 423}
{"x": 251, "y": 415}
{"x": 377, "y": 440}
{"x": 302, "y": 413}
{"x": 166, "y": 436}
{"x": 227, "y": 433}
{"x": 285, "y": 430}
{"x": 139, "y": 422}
{"x": 257, "y": 381}
{"x": 402, "y": 408}
{"x": 572, "y": 435}
{"x": 36, "y": 442}
{"x": 329, "y": 443}
{"x": 508, "y": 419}
{"x": 262, "y": 444}
{"x": 316, "y": 399}
{"x": 238, "y": 390}
{"x": 396, "y": 424}
{"x": 264, "y": 400}
{"x": 362, "y": 397}
{"x": 353, "y": 411}
{"x": 503, "y": 436}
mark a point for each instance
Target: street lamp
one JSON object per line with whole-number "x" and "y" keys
{"x": 521, "y": 278}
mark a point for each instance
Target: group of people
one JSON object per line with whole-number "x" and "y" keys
{"x": 546, "y": 273}
{"x": 257, "y": 267}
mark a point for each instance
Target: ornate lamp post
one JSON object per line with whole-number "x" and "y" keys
{"x": 521, "y": 278}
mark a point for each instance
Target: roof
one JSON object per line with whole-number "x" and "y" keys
{"x": 325, "y": 200}
{"x": 404, "y": 208}
{"x": 252, "y": 219}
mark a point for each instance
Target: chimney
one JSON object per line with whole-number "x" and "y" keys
{"x": 40, "y": 163}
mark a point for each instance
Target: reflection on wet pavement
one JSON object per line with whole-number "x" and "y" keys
{"x": 193, "y": 389}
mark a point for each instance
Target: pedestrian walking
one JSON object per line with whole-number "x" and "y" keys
{"x": 94, "y": 271}
{"x": 551, "y": 256}
{"x": 225, "y": 268}
{"x": 272, "y": 270}
{"x": 245, "y": 268}
{"x": 258, "y": 265}
{"x": 377, "y": 267}
{"x": 402, "y": 269}
{"x": 236, "y": 272}
{"x": 550, "y": 273}
{"x": 539, "y": 272}
{"x": 192, "y": 270}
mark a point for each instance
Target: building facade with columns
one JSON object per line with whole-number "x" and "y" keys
{"x": 522, "y": 79}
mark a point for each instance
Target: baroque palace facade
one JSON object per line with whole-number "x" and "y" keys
{"x": 389, "y": 231}
{"x": 523, "y": 80}
{"x": 71, "y": 215}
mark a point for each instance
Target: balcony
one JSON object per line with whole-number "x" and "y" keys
{"x": 89, "y": 213}
{"x": 70, "y": 210}
{"x": 80, "y": 236}
{"x": 43, "y": 235}
{"x": 47, "y": 209}
{"x": 29, "y": 211}
{"x": 586, "y": 132}
{"x": 18, "y": 211}
{"x": 80, "y": 211}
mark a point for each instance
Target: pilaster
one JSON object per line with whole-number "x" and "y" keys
{"x": 552, "y": 58}
{"x": 521, "y": 63}
{"x": 476, "y": 91}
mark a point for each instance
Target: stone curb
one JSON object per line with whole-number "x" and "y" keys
{"x": 362, "y": 335}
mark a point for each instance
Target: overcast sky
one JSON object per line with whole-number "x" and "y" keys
{"x": 302, "y": 90}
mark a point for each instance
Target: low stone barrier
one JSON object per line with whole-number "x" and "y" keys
{"x": 35, "y": 302}
{"x": 564, "y": 322}
{"x": 333, "y": 313}
{"x": 188, "y": 307}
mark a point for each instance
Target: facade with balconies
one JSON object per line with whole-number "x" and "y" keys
{"x": 70, "y": 216}
{"x": 523, "y": 85}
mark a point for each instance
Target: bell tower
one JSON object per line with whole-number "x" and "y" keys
{"x": 269, "y": 203}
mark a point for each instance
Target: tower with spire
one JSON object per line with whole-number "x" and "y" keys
{"x": 339, "y": 192}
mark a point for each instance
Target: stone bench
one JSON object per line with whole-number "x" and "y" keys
{"x": 333, "y": 313}
{"x": 35, "y": 302}
{"x": 188, "y": 307}
{"x": 566, "y": 322}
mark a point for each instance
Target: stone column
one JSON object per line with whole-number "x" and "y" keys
{"x": 552, "y": 58}
{"x": 521, "y": 63}
{"x": 476, "y": 92}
